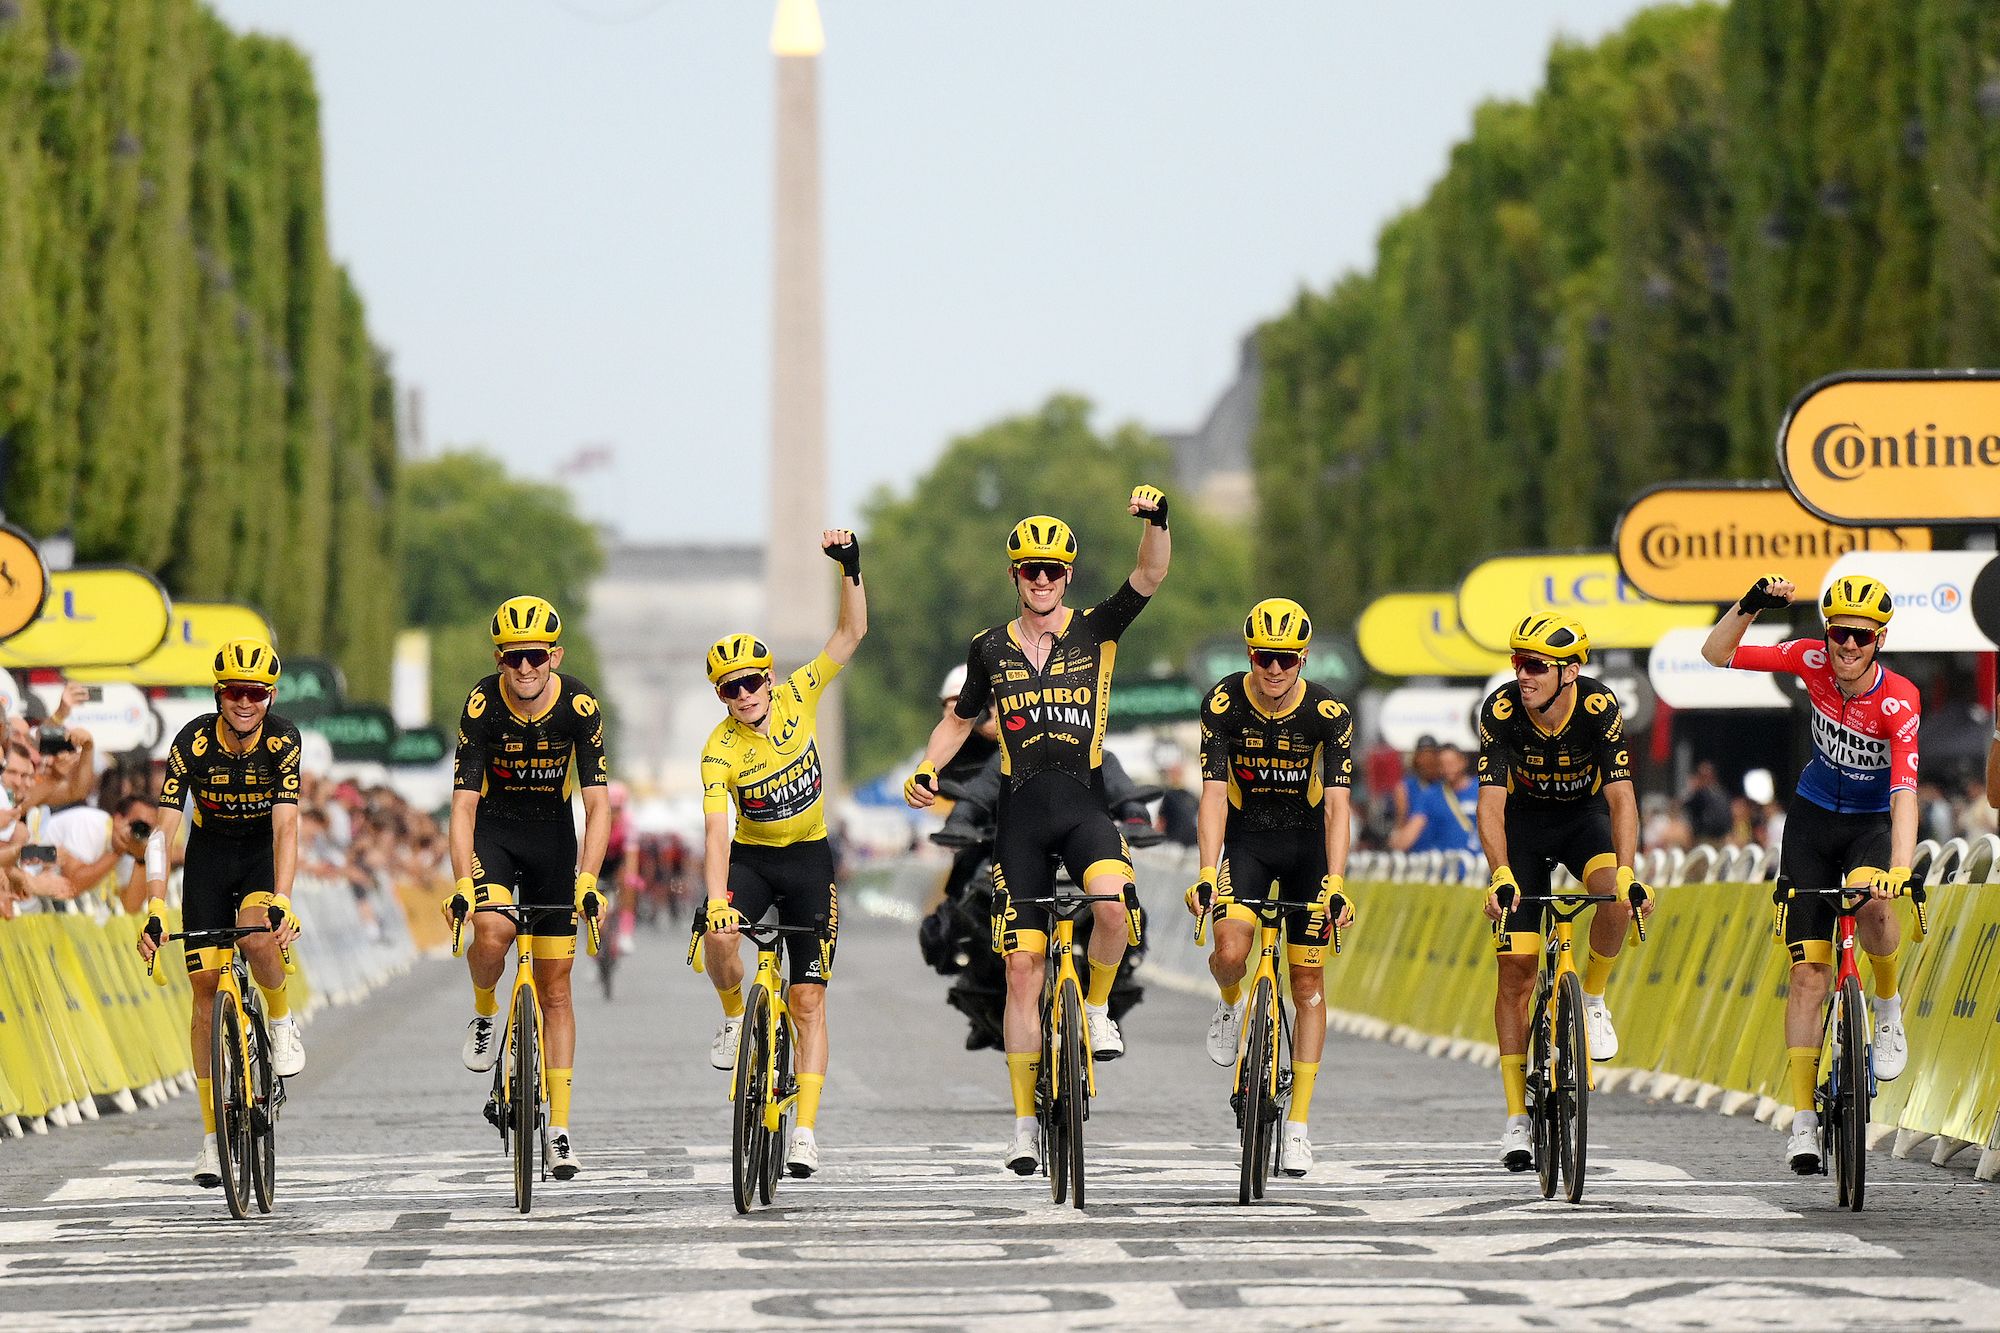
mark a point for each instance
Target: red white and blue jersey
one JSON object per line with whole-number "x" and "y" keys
{"x": 1865, "y": 747}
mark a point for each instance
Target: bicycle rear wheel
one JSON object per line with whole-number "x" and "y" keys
{"x": 1253, "y": 1094}
{"x": 1073, "y": 1093}
{"x": 525, "y": 1097}
{"x": 1541, "y": 1095}
{"x": 1570, "y": 1085}
{"x": 1850, "y": 1147}
{"x": 1048, "y": 1083}
{"x": 264, "y": 1114}
{"x": 746, "y": 1131}
{"x": 232, "y": 1116}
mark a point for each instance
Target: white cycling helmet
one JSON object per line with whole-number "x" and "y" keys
{"x": 954, "y": 683}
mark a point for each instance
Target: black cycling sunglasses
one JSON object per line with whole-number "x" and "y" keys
{"x": 1534, "y": 666}
{"x": 1052, "y": 570}
{"x": 742, "y": 685}
{"x": 238, "y": 691}
{"x": 1266, "y": 658}
{"x": 520, "y": 657}
{"x": 1852, "y": 635}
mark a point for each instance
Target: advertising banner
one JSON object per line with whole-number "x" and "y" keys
{"x": 1708, "y": 541}
{"x": 1933, "y": 595}
{"x": 24, "y": 580}
{"x": 1896, "y": 447}
{"x": 118, "y": 717}
{"x": 1441, "y": 711}
{"x": 188, "y": 655}
{"x": 95, "y": 615}
{"x": 1683, "y": 679}
{"x": 1585, "y": 585}
{"x": 1418, "y": 634}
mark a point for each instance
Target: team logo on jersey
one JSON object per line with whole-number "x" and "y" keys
{"x": 476, "y": 704}
{"x": 1016, "y": 723}
{"x": 1597, "y": 703}
{"x": 1503, "y": 708}
{"x": 1219, "y": 701}
{"x": 584, "y": 705}
{"x": 274, "y": 744}
{"x": 1330, "y": 709}
{"x": 200, "y": 744}
{"x": 1814, "y": 658}
{"x": 1622, "y": 759}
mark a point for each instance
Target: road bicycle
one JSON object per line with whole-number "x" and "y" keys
{"x": 764, "y": 1088}
{"x": 1846, "y": 1083}
{"x": 1262, "y": 1086}
{"x": 245, "y": 1092}
{"x": 1559, "y": 1072}
{"x": 518, "y": 1105}
{"x": 1067, "y": 1079}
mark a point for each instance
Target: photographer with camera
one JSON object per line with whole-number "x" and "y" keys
{"x": 90, "y": 844}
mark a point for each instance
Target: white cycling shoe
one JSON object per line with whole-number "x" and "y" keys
{"x": 722, "y": 1051}
{"x": 1599, "y": 1035}
{"x": 481, "y": 1048}
{"x": 1517, "y": 1144}
{"x": 207, "y": 1166}
{"x": 1024, "y": 1155}
{"x": 1297, "y": 1158}
{"x": 288, "y": 1052}
{"x": 1892, "y": 1047}
{"x": 1802, "y": 1148}
{"x": 803, "y": 1158}
{"x": 1225, "y": 1033}
{"x": 1106, "y": 1042}
{"x": 562, "y": 1154}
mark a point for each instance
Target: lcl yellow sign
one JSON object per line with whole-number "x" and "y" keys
{"x": 188, "y": 655}
{"x": 1585, "y": 585}
{"x": 95, "y": 615}
{"x": 1418, "y": 634}
{"x": 1709, "y": 541}
{"x": 1887, "y": 447}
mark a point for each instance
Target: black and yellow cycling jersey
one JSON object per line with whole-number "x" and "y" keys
{"x": 773, "y": 774}
{"x": 1054, "y": 719}
{"x": 1545, "y": 763}
{"x": 527, "y": 767}
{"x": 1278, "y": 762}
{"x": 232, "y": 793}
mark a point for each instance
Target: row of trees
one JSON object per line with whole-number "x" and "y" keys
{"x": 1625, "y": 280}
{"x": 187, "y": 382}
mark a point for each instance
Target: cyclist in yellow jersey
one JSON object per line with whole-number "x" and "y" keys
{"x": 764, "y": 756}
{"x": 527, "y": 740}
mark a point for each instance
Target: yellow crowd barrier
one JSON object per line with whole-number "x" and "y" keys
{"x": 1703, "y": 999}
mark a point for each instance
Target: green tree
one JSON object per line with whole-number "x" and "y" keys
{"x": 937, "y": 562}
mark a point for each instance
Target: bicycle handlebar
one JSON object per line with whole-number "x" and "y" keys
{"x": 518, "y": 914}
{"x": 1335, "y": 904}
{"x": 218, "y": 935}
{"x": 1508, "y": 897}
{"x": 1851, "y": 898}
{"x": 764, "y": 936}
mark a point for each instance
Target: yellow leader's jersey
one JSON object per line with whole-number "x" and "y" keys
{"x": 773, "y": 774}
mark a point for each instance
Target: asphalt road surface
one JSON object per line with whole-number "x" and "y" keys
{"x": 395, "y": 1207}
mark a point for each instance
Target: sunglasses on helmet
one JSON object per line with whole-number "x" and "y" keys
{"x": 738, "y": 686}
{"x": 1852, "y": 635}
{"x": 1534, "y": 666}
{"x": 528, "y": 657}
{"x": 240, "y": 691}
{"x": 1052, "y": 570}
{"x": 1267, "y": 658}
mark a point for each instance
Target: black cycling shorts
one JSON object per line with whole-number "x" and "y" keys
{"x": 1538, "y": 840}
{"x": 1050, "y": 815}
{"x": 1821, "y": 849}
{"x": 798, "y": 880}
{"x": 535, "y": 861}
{"x": 219, "y": 873}
{"x": 1295, "y": 859}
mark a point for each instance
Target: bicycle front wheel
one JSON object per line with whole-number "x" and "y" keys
{"x": 1542, "y": 1095}
{"x": 778, "y": 1142}
{"x": 230, "y": 1107}
{"x": 526, "y": 1099}
{"x": 1073, "y": 1094}
{"x": 1253, "y": 1097}
{"x": 1850, "y": 1147}
{"x": 264, "y": 1115}
{"x": 746, "y": 1131}
{"x": 1571, "y": 1086}
{"x": 1049, "y": 1084}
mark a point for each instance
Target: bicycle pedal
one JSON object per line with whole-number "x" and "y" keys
{"x": 494, "y": 1116}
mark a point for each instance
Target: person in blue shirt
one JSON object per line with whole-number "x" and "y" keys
{"x": 1445, "y": 815}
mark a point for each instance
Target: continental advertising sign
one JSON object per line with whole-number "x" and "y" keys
{"x": 1709, "y": 541}
{"x": 1585, "y": 585}
{"x": 188, "y": 655}
{"x": 1880, "y": 447}
{"x": 1418, "y": 634}
{"x": 95, "y": 615}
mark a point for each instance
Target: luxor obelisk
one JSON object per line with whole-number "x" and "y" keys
{"x": 799, "y": 581}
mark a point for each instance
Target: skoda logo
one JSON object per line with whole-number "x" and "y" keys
{"x": 1946, "y": 597}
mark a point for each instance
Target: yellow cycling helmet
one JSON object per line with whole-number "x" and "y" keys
{"x": 1857, "y": 595}
{"x": 1278, "y": 624}
{"x": 526, "y": 620}
{"x": 1557, "y": 638}
{"x": 247, "y": 660}
{"x": 1039, "y": 537}
{"x": 737, "y": 652}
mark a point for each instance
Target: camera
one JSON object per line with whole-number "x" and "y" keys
{"x": 52, "y": 739}
{"x": 38, "y": 854}
{"x": 141, "y": 830}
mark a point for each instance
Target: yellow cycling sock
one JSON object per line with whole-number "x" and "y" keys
{"x": 559, "y": 1086}
{"x": 1232, "y": 994}
{"x": 1597, "y": 973}
{"x": 1022, "y": 1067}
{"x": 484, "y": 1002}
{"x": 278, "y": 1005}
{"x": 1304, "y": 1075}
{"x": 1514, "y": 1078}
{"x": 1882, "y": 966}
{"x": 201, "y": 1091}
{"x": 809, "y": 1090}
{"x": 1101, "y": 977}
{"x": 732, "y": 1000}
{"x": 1802, "y": 1063}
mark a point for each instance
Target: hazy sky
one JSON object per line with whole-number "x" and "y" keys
{"x": 558, "y": 210}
